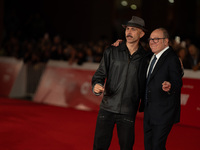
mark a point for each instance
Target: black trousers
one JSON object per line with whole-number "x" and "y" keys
{"x": 155, "y": 136}
{"x": 104, "y": 130}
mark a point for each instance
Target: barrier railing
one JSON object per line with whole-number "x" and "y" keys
{"x": 61, "y": 84}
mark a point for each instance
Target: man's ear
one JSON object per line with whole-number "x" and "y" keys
{"x": 166, "y": 41}
{"x": 142, "y": 34}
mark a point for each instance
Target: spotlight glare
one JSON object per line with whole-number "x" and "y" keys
{"x": 124, "y": 3}
{"x": 133, "y": 6}
{"x": 171, "y": 1}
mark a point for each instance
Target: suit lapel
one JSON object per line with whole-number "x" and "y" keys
{"x": 159, "y": 63}
{"x": 149, "y": 55}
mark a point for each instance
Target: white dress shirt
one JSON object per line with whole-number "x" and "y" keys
{"x": 157, "y": 56}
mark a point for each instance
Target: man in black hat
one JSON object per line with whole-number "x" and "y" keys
{"x": 119, "y": 67}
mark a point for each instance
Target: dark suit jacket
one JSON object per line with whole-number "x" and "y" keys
{"x": 163, "y": 107}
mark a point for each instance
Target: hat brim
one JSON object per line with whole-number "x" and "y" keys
{"x": 134, "y": 25}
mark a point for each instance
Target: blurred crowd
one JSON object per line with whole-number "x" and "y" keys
{"x": 188, "y": 53}
{"x": 43, "y": 49}
{"x": 33, "y": 51}
{"x": 29, "y": 40}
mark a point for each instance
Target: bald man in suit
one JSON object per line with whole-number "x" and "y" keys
{"x": 161, "y": 90}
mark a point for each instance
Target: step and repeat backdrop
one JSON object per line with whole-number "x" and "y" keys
{"x": 65, "y": 85}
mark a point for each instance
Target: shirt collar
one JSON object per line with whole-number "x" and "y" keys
{"x": 125, "y": 48}
{"x": 161, "y": 52}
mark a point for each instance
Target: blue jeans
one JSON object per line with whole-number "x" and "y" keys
{"x": 104, "y": 130}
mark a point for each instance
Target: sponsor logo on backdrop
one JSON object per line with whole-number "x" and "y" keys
{"x": 184, "y": 99}
{"x": 85, "y": 88}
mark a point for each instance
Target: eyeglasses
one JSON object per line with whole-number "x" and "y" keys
{"x": 155, "y": 40}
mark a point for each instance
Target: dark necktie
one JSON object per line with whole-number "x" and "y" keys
{"x": 148, "y": 77}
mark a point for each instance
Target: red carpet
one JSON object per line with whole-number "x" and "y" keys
{"x": 25, "y": 125}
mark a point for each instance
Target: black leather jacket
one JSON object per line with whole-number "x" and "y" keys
{"x": 120, "y": 70}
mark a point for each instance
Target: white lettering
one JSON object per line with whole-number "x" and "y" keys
{"x": 188, "y": 86}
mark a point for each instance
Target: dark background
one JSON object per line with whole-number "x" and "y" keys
{"x": 88, "y": 20}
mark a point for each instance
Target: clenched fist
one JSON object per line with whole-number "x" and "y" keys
{"x": 98, "y": 88}
{"x": 166, "y": 86}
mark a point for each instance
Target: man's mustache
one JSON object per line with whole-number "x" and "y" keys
{"x": 129, "y": 36}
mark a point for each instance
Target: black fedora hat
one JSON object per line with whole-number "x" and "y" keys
{"x": 136, "y": 22}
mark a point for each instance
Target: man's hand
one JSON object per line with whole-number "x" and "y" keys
{"x": 166, "y": 86}
{"x": 117, "y": 43}
{"x": 98, "y": 88}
